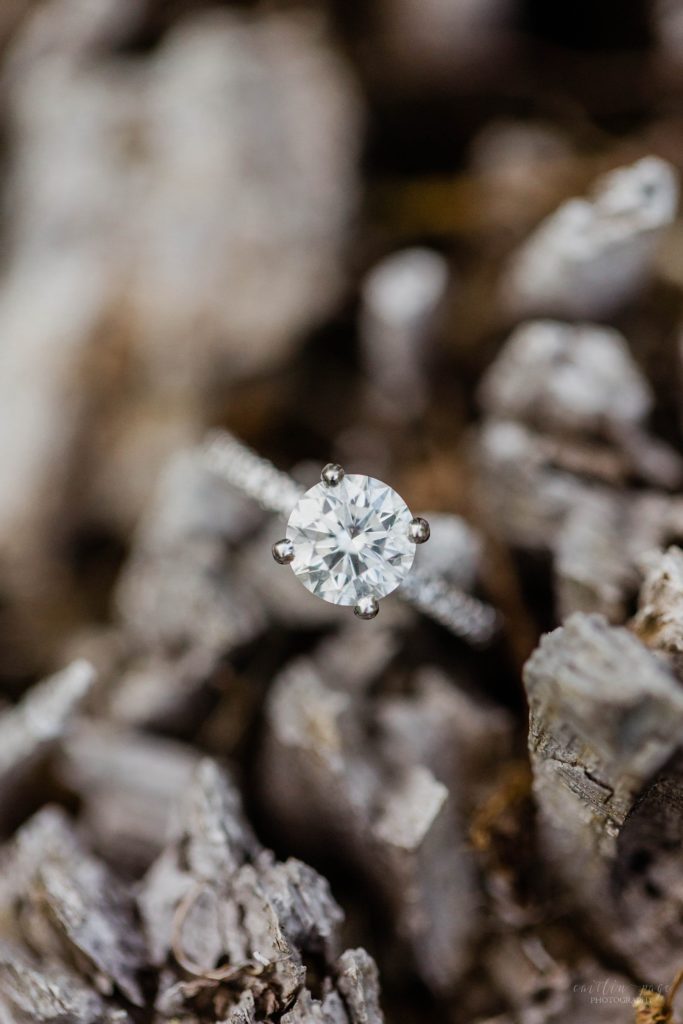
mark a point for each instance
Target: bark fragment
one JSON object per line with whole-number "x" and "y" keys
{"x": 40, "y": 721}
{"x": 32, "y": 993}
{"x": 230, "y": 926}
{"x": 129, "y": 785}
{"x": 400, "y": 809}
{"x": 592, "y": 254}
{"x": 605, "y": 728}
{"x": 401, "y": 299}
{"x": 659, "y": 620}
{"x": 564, "y": 440}
{"x": 68, "y": 906}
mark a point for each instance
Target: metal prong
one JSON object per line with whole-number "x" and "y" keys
{"x": 283, "y": 551}
{"x": 418, "y": 530}
{"x": 366, "y": 608}
{"x": 332, "y": 474}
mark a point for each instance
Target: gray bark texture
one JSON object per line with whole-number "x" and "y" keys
{"x": 223, "y": 925}
{"x": 605, "y": 717}
{"x": 400, "y": 808}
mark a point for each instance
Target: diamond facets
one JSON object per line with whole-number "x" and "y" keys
{"x": 351, "y": 541}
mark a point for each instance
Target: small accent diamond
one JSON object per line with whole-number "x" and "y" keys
{"x": 352, "y": 540}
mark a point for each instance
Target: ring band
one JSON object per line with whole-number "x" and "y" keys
{"x": 276, "y": 492}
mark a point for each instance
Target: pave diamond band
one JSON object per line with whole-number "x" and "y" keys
{"x": 350, "y": 540}
{"x": 273, "y": 490}
{"x": 462, "y": 614}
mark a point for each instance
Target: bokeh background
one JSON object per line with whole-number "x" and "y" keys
{"x": 309, "y": 223}
{"x": 193, "y": 198}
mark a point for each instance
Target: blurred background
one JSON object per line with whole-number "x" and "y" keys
{"x": 195, "y": 199}
{"x": 345, "y": 231}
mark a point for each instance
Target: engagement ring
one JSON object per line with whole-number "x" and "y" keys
{"x": 350, "y": 540}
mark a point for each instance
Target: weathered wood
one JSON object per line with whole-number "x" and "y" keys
{"x": 128, "y": 784}
{"x": 605, "y": 725}
{"x": 401, "y": 300}
{"x": 225, "y": 919}
{"x": 359, "y": 985}
{"x": 398, "y": 809}
{"x": 600, "y": 548}
{"x": 68, "y": 906}
{"x": 565, "y": 434}
{"x": 591, "y": 255}
{"x": 38, "y": 723}
{"x": 181, "y": 606}
{"x": 33, "y": 993}
{"x": 566, "y": 379}
{"x": 577, "y": 384}
{"x": 659, "y": 620}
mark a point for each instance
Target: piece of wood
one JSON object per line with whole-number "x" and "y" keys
{"x": 605, "y": 725}
{"x": 659, "y": 619}
{"x": 230, "y": 926}
{"x": 37, "y": 724}
{"x": 591, "y": 255}
{"x": 398, "y": 807}
{"x": 129, "y": 785}
{"x": 35, "y": 993}
{"x": 68, "y": 906}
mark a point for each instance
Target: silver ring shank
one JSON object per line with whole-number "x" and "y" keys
{"x": 275, "y": 491}
{"x": 256, "y": 477}
{"x": 462, "y": 614}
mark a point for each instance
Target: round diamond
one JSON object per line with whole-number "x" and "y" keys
{"x": 351, "y": 540}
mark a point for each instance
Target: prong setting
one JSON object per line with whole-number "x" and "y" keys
{"x": 332, "y": 474}
{"x": 455, "y": 609}
{"x": 283, "y": 551}
{"x": 418, "y": 530}
{"x": 367, "y": 608}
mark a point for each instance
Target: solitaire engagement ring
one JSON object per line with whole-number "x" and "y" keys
{"x": 350, "y": 540}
